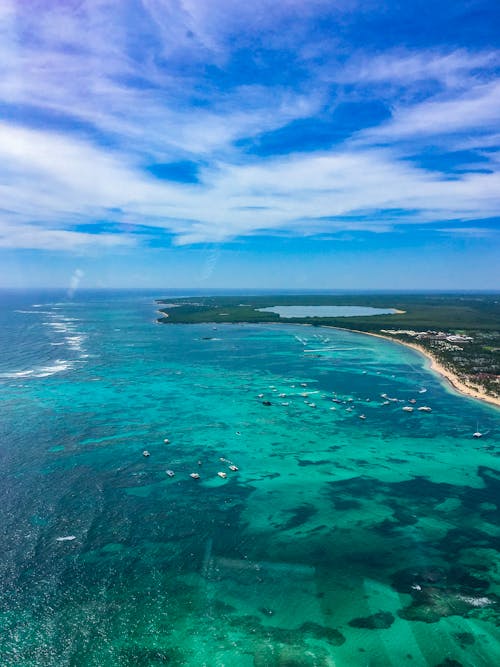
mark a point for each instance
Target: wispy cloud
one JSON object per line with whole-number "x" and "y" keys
{"x": 96, "y": 92}
{"x": 405, "y": 68}
{"x": 477, "y": 110}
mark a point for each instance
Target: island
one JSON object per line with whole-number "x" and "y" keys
{"x": 459, "y": 333}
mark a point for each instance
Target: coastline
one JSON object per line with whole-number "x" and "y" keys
{"x": 452, "y": 379}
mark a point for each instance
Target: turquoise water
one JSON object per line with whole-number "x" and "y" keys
{"x": 338, "y": 541}
{"x": 326, "y": 311}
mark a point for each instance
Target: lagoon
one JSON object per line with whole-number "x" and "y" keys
{"x": 327, "y": 311}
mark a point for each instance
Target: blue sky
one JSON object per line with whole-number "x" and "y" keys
{"x": 309, "y": 144}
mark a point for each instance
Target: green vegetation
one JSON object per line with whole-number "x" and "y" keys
{"x": 428, "y": 321}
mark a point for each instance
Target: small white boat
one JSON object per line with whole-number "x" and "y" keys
{"x": 282, "y": 395}
{"x": 166, "y": 441}
{"x": 477, "y": 434}
{"x": 146, "y": 453}
{"x": 222, "y": 474}
{"x": 67, "y": 538}
{"x": 194, "y": 475}
{"x": 362, "y": 416}
{"x": 233, "y": 468}
{"x": 422, "y": 391}
{"x": 407, "y": 408}
{"x": 425, "y": 408}
{"x": 170, "y": 473}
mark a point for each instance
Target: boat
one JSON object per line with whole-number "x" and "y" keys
{"x": 166, "y": 441}
{"x": 362, "y": 416}
{"x": 425, "y": 408}
{"x": 407, "y": 408}
{"x": 477, "y": 434}
{"x": 170, "y": 473}
{"x": 266, "y": 403}
{"x": 422, "y": 391}
{"x": 194, "y": 475}
{"x": 222, "y": 474}
{"x": 146, "y": 453}
{"x": 412, "y": 400}
{"x": 233, "y": 467}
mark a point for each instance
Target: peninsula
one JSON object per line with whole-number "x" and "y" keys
{"x": 459, "y": 333}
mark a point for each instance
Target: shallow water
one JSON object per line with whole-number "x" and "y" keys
{"x": 338, "y": 541}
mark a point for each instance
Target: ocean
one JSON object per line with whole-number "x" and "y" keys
{"x": 352, "y": 532}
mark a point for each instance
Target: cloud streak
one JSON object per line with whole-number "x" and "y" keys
{"x": 94, "y": 93}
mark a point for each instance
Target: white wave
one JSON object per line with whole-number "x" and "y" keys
{"x": 46, "y": 371}
{"x": 41, "y": 372}
{"x": 17, "y": 374}
{"x": 476, "y": 602}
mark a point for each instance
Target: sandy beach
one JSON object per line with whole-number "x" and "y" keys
{"x": 454, "y": 381}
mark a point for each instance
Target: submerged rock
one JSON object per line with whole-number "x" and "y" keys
{"x": 269, "y": 655}
{"x": 317, "y": 631}
{"x": 379, "y": 621}
{"x": 431, "y": 604}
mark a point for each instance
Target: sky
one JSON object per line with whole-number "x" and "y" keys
{"x": 309, "y": 144}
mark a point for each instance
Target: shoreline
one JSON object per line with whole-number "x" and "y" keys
{"x": 436, "y": 366}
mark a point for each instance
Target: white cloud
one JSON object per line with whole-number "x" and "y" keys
{"x": 70, "y": 182}
{"x": 476, "y": 110}
{"x": 404, "y": 68}
{"x": 75, "y": 65}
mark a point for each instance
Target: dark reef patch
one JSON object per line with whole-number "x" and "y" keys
{"x": 379, "y": 621}
{"x": 304, "y": 462}
{"x": 289, "y": 636}
{"x": 464, "y": 639}
{"x": 300, "y": 515}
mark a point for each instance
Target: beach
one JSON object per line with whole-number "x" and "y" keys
{"x": 435, "y": 365}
